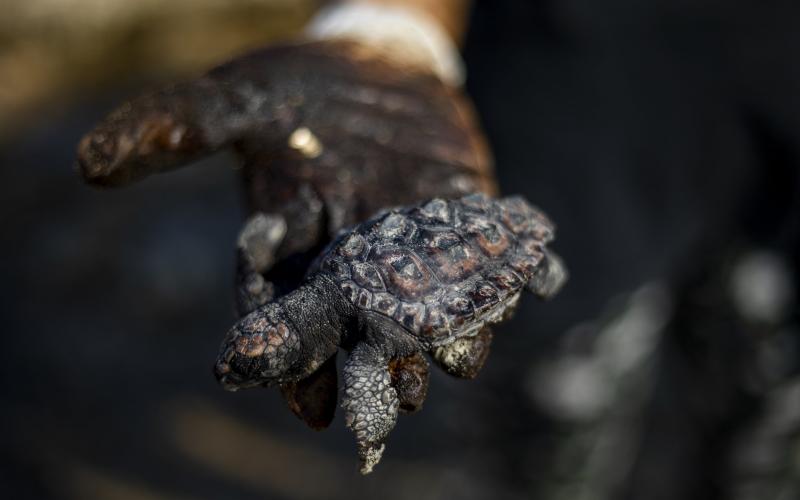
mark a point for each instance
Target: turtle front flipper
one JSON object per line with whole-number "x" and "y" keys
{"x": 256, "y": 251}
{"x": 313, "y": 399}
{"x": 370, "y": 402}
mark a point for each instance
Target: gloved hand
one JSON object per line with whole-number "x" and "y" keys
{"x": 329, "y": 132}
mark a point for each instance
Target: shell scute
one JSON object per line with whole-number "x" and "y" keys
{"x": 385, "y": 303}
{"x": 353, "y": 246}
{"x": 505, "y": 280}
{"x": 394, "y": 227}
{"x": 483, "y": 296}
{"x": 492, "y": 238}
{"x": 367, "y": 275}
{"x": 410, "y": 315}
{"x": 403, "y": 272}
{"x": 523, "y": 264}
{"x": 533, "y": 248}
{"x": 436, "y": 325}
{"x": 522, "y": 218}
{"x": 478, "y": 202}
{"x": 451, "y": 258}
{"x": 459, "y": 309}
{"x": 364, "y": 299}
{"x": 436, "y": 211}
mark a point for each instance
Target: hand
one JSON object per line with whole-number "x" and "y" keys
{"x": 328, "y": 132}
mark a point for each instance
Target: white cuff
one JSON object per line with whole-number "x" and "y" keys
{"x": 403, "y": 34}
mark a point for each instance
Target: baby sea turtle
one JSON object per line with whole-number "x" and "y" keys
{"x": 426, "y": 278}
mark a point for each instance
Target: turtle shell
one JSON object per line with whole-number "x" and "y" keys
{"x": 442, "y": 269}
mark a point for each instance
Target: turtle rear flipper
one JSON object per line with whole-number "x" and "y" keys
{"x": 551, "y": 276}
{"x": 370, "y": 402}
{"x": 464, "y": 357}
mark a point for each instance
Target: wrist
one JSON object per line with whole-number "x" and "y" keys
{"x": 403, "y": 34}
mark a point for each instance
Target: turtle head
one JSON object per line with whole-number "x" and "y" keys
{"x": 262, "y": 349}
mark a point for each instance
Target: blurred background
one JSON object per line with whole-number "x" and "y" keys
{"x": 662, "y": 136}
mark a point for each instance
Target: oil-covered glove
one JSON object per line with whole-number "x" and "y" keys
{"x": 329, "y": 130}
